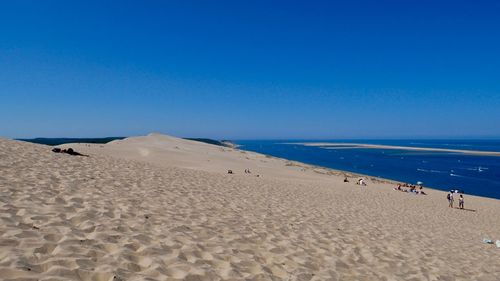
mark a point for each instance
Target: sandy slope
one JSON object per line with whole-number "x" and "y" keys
{"x": 166, "y": 151}
{"x": 133, "y": 211}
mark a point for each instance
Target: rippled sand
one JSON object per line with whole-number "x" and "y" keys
{"x": 160, "y": 208}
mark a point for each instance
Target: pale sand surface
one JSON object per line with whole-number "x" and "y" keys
{"x": 347, "y": 145}
{"x": 160, "y": 208}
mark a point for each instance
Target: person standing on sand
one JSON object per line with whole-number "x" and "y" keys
{"x": 461, "y": 201}
{"x": 450, "y": 200}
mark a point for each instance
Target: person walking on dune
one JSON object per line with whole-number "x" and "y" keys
{"x": 450, "y": 200}
{"x": 461, "y": 201}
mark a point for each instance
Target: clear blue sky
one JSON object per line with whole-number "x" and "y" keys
{"x": 250, "y": 69}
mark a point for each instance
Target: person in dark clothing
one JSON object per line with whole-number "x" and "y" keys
{"x": 69, "y": 151}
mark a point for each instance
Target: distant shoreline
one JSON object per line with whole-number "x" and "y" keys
{"x": 328, "y": 145}
{"x": 59, "y": 141}
{"x": 104, "y": 140}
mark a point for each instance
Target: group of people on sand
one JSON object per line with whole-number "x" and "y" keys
{"x": 69, "y": 151}
{"x": 358, "y": 182}
{"x": 247, "y": 171}
{"x": 451, "y": 199}
{"x": 418, "y": 189}
{"x": 415, "y": 189}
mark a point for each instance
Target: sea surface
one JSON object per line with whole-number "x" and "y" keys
{"x": 476, "y": 175}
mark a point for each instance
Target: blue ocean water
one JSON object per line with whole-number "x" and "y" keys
{"x": 477, "y": 175}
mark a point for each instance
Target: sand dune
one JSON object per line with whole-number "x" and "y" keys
{"x": 166, "y": 151}
{"x": 161, "y": 208}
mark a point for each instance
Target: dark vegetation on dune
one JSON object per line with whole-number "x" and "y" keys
{"x": 225, "y": 143}
{"x": 58, "y": 141}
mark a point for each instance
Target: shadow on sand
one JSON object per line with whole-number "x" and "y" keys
{"x": 465, "y": 209}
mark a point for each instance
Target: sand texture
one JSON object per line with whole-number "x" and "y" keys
{"x": 161, "y": 208}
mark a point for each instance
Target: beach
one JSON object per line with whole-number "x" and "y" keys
{"x": 162, "y": 208}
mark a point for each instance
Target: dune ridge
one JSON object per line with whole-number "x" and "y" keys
{"x": 162, "y": 208}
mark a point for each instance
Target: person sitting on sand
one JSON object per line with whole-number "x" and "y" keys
{"x": 346, "y": 180}
{"x": 461, "y": 202}
{"x": 450, "y": 199}
{"x": 361, "y": 182}
{"x": 229, "y": 171}
{"x": 421, "y": 191}
{"x": 69, "y": 151}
